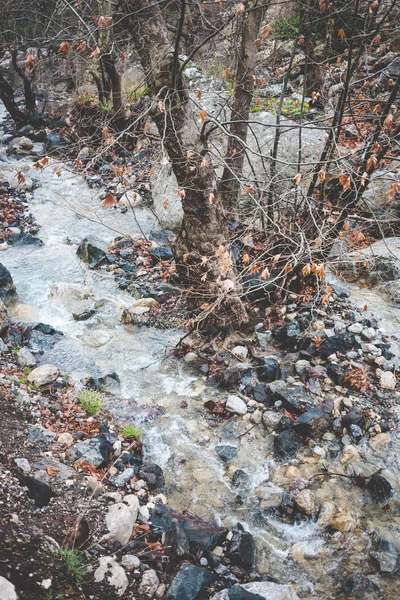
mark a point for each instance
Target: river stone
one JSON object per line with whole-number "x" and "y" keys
{"x": 149, "y": 584}
{"x": 287, "y": 444}
{"x": 226, "y": 452}
{"x": 7, "y": 288}
{"x": 24, "y": 239}
{"x": 386, "y": 556}
{"x": 3, "y": 316}
{"x": 176, "y": 542}
{"x": 190, "y": 583}
{"x": 341, "y": 344}
{"x": 242, "y": 548}
{"x": 260, "y": 590}
{"x": 387, "y": 380}
{"x": 236, "y": 405}
{"x": 26, "y": 358}
{"x": 43, "y": 375}
{"x": 112, "y": 573}
{"x": 92, "y": 251}
{"x": 120, "y": 520}
{"x": 7, "y": 590}
{"x": 96, "y": 451}
{"x": 130, "y": 562}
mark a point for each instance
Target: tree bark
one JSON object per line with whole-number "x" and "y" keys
{"x": 27, "y": 80}
{"x": 115, "y": 79}
{"x": 7, "y": 97}
{"x": 229, "y": 186}
{"x": 202, "y": 251}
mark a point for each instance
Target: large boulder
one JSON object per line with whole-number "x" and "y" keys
{"x": 8, "y": 292}
{"x": 257, "y": 590}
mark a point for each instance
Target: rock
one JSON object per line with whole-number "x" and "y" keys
{"x": 112, "y": 573}
{"x": 311, "y": 424}
{"x": 166, "y": 201}
{"x": 229, "y": 378}
{"x": 260, "y": 590}
{"x": 8, "y": 292}
{"x": 294, "y": 398}
{"x": 153, "y": 475}
{"x": 386, "y": 556}
{"x": 7, "y": 590}
{"x": 26, "y": 358}
{"x": 40, "y": 492}
{"x": 360, "y": 587}
{"x": 43, "y": 375}
{"x": 107, "y": 384}
{"x": 96, "y": 452}
{"x": 240, "y": 352}
{"x": 387, "y": 380}
{"x": 84, "y": 313}
{"x": 149, "y": 584}
{"x": 176, "y": 543}
{"x": 95, "y": 486}
{"x": 305, "y": 501}
{"x": 342, "y": 521}
{"x": 65, "y": 439}
{"x": 61, "y": 471}
{"x": 40, "y": 434}
{"x": 130, "y": 562}
{"x": 242, "y": 549}
{"x": 146, "y": 302}
{"x": 92, "y": 251}
{"x": 339, "y": 344}
{"x": 122, "y": 479}
{"x": 235, "y": 405}
{"x": 190, "y": 583}
{"x": 226, "y": 452}
{"x": 55, "y": 143}
{"x": 271, "y": 420}
{"x": 380, "y": 488}
{"x": 240, "y": 479}
{"x": 287, "y": 444}
{"x": 24, "y": 239}
{"x": 268, "y": 369}
{"x": 3, "y": 316}
{"x": 161, "y": 253}
{"x": 120, "y": 520}
{"x": 23, "y": 464}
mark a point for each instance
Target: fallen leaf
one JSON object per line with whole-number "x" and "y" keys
{"x": 51, "y": 470}
{"x": 109, "y": 201}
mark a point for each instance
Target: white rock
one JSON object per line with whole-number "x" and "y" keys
{"x": 235, "y": 405}
{"x": 388, "y": 380}
{"x": 7, "y": 590}
{"x": 240, "y": 352}
{"x": 65, "y": 439}
{"x": 95, "y": 486}
{"x": 130, "y": 198}
{"x": 26, "y": 358}
{"x": 355, "y": 328}
{"x": 149, "y": 584}
{"x": 271, "y": 420}
{"x": 264, "y": 589}
{"x": 120, "y": 521}
{"x": 110, "y": 571}
{"x": 148, "y": 302}
{"x": 130, "y": 562}
{"x": 133, "y": 502}
{"x": 190, "y": 357}
{"x": 43, "y": 375}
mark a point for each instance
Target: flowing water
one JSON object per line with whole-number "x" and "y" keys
{"x": 158, "y": 392}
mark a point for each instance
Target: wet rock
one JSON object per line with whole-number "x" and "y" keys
{"x": 43, "y": 375}
{"x": 226, "y": 452}
{"x": 380, "y": 488}
{"x": 242, "y": 549}
{"x": 26, "y": 358}
{"x": 287, "y": 444}
{"x": 154, "y": 476}
{"x": 108, "y": 384}
{"x": 161, "y": 253}
{"x": 7, "y": 288}
{"x": 356, "y": 433}
{"x": 96, "y": 452}
{"x": 120, "y": 520}
{"x": 268, "y": 369}
{"x": 92, "y": 251}
{"x": 305, "y": 501}
{"x": 360, "y": 587}
{"x": 149, "y": 584}
{"x": 3, "y": 316}
{"x": 386, "y": 556}
{"x": 240, "y": 479}
{"x": 7, "y": 590}
{"x": 339, "y": 344}
{"x": 55, "y": 143}
{"x": 236, "y": 405}
{"x": 295, "y": 398}
{"x": 84, "y": 314}
{"x": 24, "y": 239}
{"x": 191, "y": 583}
{"x": 342, "y": 521}
{"x": 176, "y": 543}
{"x": 312, "y": 424}
{"x": 110, "y": 572}
{"x": 258, "y": 590}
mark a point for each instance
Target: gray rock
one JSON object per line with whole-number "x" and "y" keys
{"x": 43, "y": 375}
{"x": 3, "y": 316}
{"x": 386, "y": 556}
{"x": 62, "y": 471}
{"x": 26, "y": 358}
{"x": 190, "y": 583}
{"x": 149, "y": 584}
{"x": 260, "y": 589}
{"x": 130, "y": 562}
{"x": 235, "y": 405}
{"x": 3, "y": 347}
{"x": 240, "y": 352}
{"x": 122, "y": 479}
{"x": 92, "y": 251}
{"x": 271, "y": 420}
{"x": 95, "y": 451}
{"x": 40, "y": 434}
{"x": 7, "y": 590}
{"x": 111, "y": 573}
{"x": 226, "y": 452}
{"x": 23, "y": 464}
{"x": 120, "y": 520}
{"x": 8, "y": 292}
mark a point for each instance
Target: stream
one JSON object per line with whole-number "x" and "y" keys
{"x": 165, "y": 398}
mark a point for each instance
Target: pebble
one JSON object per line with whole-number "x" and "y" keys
{"x": 149, "y": 584}
{"x": 65, "y": 439}
{"x": 355, "y": 328}
{"x": 240, "y": 352}
{"x": 387, "y": 379}
{"x": 235, "y": 405}
{"x": 26, "y": 358}
{"x": 130, "y": 562}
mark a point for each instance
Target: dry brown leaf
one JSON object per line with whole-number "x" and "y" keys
{"x": 51, "y": 470}
{"x": 202, "y": 115}
{"x": 30, "y": 63}
{"x": 344, "y": 181}
{"x": 109, "y": 201}
{"x": 64, "y": 48}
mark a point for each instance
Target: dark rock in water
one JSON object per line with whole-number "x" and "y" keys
{"x": 268, "y": 369}
{"x": 55, "y": 143}
{"x": 240, "y": 479}
{"x": 353, "y": 417}
{"x": 288, "y": 333}
{"x": 356, "y": 433}
{"x": 191, "y": 583}
{"x": 92, "y": 251}
{"x": 40, "y": 342}
{"x": 154, "y": 476}
{"x": 386, "y": 556}
{"x": 161, "y": 253}
{"x": 339, "y": 344}
{"x": 229, "y": 378}
{"x": 380, "y": 488}
{"x": 44, "y": 328}
{"x": 176, "y": 543}
{"x": 312, "y": 424}
{"x": 39, "y": 491}
{"x": 201, "y": 535}
{"x": 8, "y": 292}
{"x": 84, "y": 314}
{"x": 226, "y": 452}
{"x": 288, "y": 443}
{"x": 295, "y": 399}
{"x": 359, "y": 587}
{"x": 109, "y": 384}
{"x": 24, "y": 239}
{"x": 242, "y": 548}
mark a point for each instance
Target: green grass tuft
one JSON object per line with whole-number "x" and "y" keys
{"x": 73, "y": 562}
{"x": 91, "y": 401}
{"x": 131, "y": 432}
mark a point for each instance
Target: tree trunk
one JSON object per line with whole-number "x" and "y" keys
{"x": 115, "y": 80}
{"x": 7, "y": 97}
{"x": 30, "y": 100}
{"x": 202, "y": 251}
{"x": 246, "y": 61}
